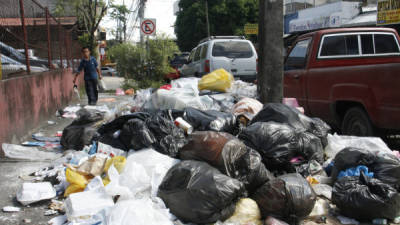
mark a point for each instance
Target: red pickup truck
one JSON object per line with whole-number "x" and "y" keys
{"x": 349, "y": 77}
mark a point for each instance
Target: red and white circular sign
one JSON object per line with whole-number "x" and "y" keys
{"x": 148, "y": 27}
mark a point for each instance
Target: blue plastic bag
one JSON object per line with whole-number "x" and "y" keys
{"x": 355, "y": 172}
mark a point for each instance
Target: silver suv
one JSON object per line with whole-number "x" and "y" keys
{"x": 235, "y": 54}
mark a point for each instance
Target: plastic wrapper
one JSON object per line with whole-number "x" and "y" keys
{"x": 366, "y": 198}
{"x": 337, "y": 143}
{"x": 188, "y": 83}
{"x": 247, "y": 107}
{"x": 198, "y": 193}
{"x": 210, "y": 120}
{"x": 77, "y": 182}
{"x": 244, "y": 89}
{"x": 289, "y": 197}
{"x": 246, "y": 213}
{"x": 279, "y": 144}
{"x": 218, "y": 80}
{"x": 280, "y": 113}
{"x": 28, "y": 153}
{"x": 228, "y": 154}
{"x": 385, "y": 167}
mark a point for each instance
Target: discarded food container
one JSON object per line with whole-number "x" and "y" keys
{"x": 35, "y": 192}
{"x": 86, "y": 204}
{"x": 179, "y": 122}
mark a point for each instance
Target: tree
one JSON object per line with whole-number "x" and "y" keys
{"x": 89, "y": 14}
{"x": 227, "y": 17}
{"x": 270, "y": 76}
{"x": 120, "y": 14}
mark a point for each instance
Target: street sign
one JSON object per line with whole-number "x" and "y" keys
{"x": 388, "y": 12}
{"x": 251, "y": 28}
{"x": 148, "y": 27}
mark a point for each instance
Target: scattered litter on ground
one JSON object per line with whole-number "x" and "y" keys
{"x": 11, "y": 209}
{"x": 35, "y": 192}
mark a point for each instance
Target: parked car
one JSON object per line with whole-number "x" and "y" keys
{"x": 179, "y": 60}
{"x": 235, "y": 54}
{"x": 20, "y": 57}
{"x": 109, "y": 71}
{"x": 349, "y": 77}
{"x": 9, "y": 66}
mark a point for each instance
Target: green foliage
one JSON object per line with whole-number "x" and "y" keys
{"x": 120, "y": 14}
{"x": 227, "y": 17}
{"x": 145, "y": 64}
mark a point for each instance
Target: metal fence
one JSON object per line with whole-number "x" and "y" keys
{"x": 33, "y": 40}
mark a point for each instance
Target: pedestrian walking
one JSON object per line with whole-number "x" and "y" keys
{"x": 91, "y": 75}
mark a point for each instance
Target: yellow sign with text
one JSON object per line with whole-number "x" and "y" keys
{"x": 388, "y": 12}
{"x": 251, "y": 28}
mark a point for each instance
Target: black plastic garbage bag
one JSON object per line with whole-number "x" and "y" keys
{"x": 228, "y": 154}
{"x": 281, "y": 113}
{"x": 210, "y": 120}
{"x": 366, "y": 198}
{"x": 198, "y": 193}
{"x": 289, "y": 197}
{"x": 278, "y": 144}
{"x": 385, "y": 167}
{"x": 81, "y": 131}
{"x": 117, "y": 124}
{"x": 169, "y": 138}
{"x": 136, "y": 135}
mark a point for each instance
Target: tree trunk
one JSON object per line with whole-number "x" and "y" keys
{"x": 270, "y": 75}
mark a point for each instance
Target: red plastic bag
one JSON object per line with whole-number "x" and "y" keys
{"x": 166, "y": 87}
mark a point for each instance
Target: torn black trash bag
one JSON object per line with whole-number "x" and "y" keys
{"x": 195, "y": 192}
{"x": 386, "y": 167}
{"x": 281, "y": 113}
{"x": 81, "y": 131}
{"x": 136, "y": 135}
{"x": 210, "y": 120}
{"x": 228, "y": 154}
{"x": 366, "y": 198}
{"x": 278, "y": 144}
{"x": 289, "y": 197}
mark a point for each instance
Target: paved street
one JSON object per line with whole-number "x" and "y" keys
{"x": 113, "y": 83}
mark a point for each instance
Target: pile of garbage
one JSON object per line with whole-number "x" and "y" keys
{"x": 206, "y": 151}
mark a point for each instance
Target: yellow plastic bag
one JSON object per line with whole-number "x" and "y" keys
{"x": 119, "y": 164}
{"x": 218, "y": 80}
{"x": 76, "y": 180}
{"x": 246, "y": 212}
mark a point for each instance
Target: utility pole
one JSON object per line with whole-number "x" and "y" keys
{"x": 270, "y": 75}
{"x": 141, "y": 16}
{"x": 207, "y": 20}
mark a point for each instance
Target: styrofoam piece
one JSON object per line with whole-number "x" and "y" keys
{"x": 35, "y": 192}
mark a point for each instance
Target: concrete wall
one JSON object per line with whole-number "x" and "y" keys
{"x": 26, "y": 101}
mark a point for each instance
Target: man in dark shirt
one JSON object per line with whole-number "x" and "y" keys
{"x": 91, "y": 71}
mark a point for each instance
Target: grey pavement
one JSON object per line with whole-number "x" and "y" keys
{"x": 113, "y": 83}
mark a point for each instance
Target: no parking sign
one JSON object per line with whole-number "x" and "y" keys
{"x": 148, "y": 27}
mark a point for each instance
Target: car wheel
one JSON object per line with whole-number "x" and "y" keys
{"x": 356, "y": 122}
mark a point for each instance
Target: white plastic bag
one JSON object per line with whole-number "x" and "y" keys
{"x": 35, "y": 192}
{"x": 139, "y": 212}
{"x": 246, "y": 213}
{"x": 28, "y": 153}
{"x": 188, "y": 83}
{"x": 337, "y": 143}
{"x": 102, "y": 85}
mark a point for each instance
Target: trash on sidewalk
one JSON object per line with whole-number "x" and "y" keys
{"x": 119, "y": 92}
{"x": 346, "y": 220}
{"x": 273, "y": 221}
{"x": 30, "y": 193}
{"x": 248, "y": 108}
{"x": 11, "y": 209}
{"x": 130, "y": 91}
{"x": 209, "y": 120}
{"x": 58, "y": 220}
{"x": 210, "y": 195}
{"x": 28, "y": 153}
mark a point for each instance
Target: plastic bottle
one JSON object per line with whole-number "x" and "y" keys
{"x": 180, "y": 122}
{"x": 379, "y": 221}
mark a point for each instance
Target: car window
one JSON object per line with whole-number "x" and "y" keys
{"x": 197, "y": 54}
{"x": 191, "y": 55}
{"x": 298, "y": 56}
{"x": 367, "y": 44}
{"x": 232, "y": 49}
{"x": 385, "y": 43}
{"x": 204, "y": 50}
{"x": 341, "y": 45}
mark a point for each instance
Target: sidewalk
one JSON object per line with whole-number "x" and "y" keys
{"x": 12, "y": 170}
